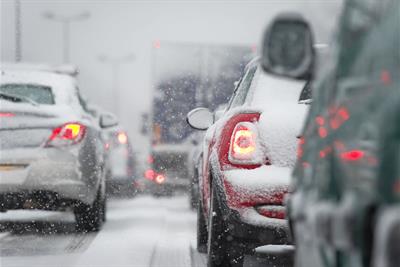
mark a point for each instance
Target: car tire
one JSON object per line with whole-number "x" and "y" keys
{"x": 220, "y": 251}
{"x": 202, "y": 233}
{"x": 90, "y": 218}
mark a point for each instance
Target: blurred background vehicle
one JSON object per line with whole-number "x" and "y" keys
{"x": 121, "y": 163}
{"x": 344, "y": 210}
{"x": 248, "y": 154}
{"x": 51, "y": 154}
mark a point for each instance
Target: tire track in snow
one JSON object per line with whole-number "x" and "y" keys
{"x": 173, "y": 246}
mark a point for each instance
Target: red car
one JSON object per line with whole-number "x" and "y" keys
{"x": 248, "y": 155}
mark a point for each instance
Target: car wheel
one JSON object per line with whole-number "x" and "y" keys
{"x": 220, "y": 252}
{"x": 90, "y": 218}
{"x": 201, "y": 230}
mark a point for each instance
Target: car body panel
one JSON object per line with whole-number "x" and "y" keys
{"x": 346, "y": 173}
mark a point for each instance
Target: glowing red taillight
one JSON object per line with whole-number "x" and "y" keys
{"x": 159, "y": 179}
{"x": 122, "y": 138}
{"x": 149, "y": 174}
{"x": 67, "y": 134}
{"x": 244, "y": 147}
{"x": 352, "y": 155}
{"x": 6, "y": 114}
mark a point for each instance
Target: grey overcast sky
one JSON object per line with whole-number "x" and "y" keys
{"x": 117, "y": 28}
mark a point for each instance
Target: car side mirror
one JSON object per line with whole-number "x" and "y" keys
{"x": 200, "y": 118}
{"x": 108, "y": 120}
{"x": 287, "y": 48}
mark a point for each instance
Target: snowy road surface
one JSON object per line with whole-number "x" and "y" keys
{"x": 143, "y": 231}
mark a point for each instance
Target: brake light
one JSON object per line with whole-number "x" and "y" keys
{"x": 149, "y": 174}
{"x": 6, "y": 114}
{"x": 230, "y": 156}
{"x": 352, "y": 155}
{"x": 159, "y": 179}
{"x": 122, "y": 138}
{"x": 67, "y": 134}
{"x": 244, "y": 148}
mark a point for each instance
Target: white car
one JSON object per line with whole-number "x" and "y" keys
{"x": 51, "y": 153}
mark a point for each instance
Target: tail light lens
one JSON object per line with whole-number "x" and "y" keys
{"x": 67, "y": 134}
{"x": 352, "y": 155}
{"x": 160, "y": 178}
{"x": 122, "y": 138}
{"x": 6, "y": 114}
{"x": 149, "y": 174}
{"x": 240, "y": 146}
{"x": 244, "y": 146}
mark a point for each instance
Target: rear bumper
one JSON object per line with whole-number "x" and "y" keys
{"x": 240, "y": 192}
{"x": 51, "y": 170}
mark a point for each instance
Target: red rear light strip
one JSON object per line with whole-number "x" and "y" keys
{"x": 6, "y": 114}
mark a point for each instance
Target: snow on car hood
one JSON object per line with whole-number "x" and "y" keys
{"x": 281, "y": 117}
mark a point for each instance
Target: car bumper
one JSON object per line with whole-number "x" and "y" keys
{"x": 58, "y": 171}
{"x": 241, "y": 192}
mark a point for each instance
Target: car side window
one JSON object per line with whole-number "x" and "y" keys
{"x": 241, "y": 92}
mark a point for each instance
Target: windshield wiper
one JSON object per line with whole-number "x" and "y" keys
{"x": 17, "y": 98}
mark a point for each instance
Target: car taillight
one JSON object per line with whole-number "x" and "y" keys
{"x": 67, "y": 134}
{"x": 150, "y": 174}
{"x": 352, "y": 155}
{"x": 6, "y": 114}
{"x": 122, "y": 138}
{"x": 240, "y": 143}
{"x": 244, "y": 147}
{"x": 160, "y": 178}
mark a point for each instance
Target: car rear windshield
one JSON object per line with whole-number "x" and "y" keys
{"x": 39, "y": 94}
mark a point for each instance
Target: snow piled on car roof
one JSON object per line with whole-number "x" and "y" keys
{"x": 63, "y": 86}
{"x": 282, "y": 116}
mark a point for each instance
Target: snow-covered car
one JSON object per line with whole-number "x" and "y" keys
{"x": 120, "y": 163}
{"x": 51, "y": 154}
{"x": 248, "y": 155}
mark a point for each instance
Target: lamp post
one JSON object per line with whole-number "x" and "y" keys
{"x": 18, "y": 32}
{"x": 66, "y": 22}
{"x": 115, "y": 64}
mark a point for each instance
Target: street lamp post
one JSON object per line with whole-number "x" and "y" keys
{"x": 66, "y": 22}
{"x": 115, "y": 64}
